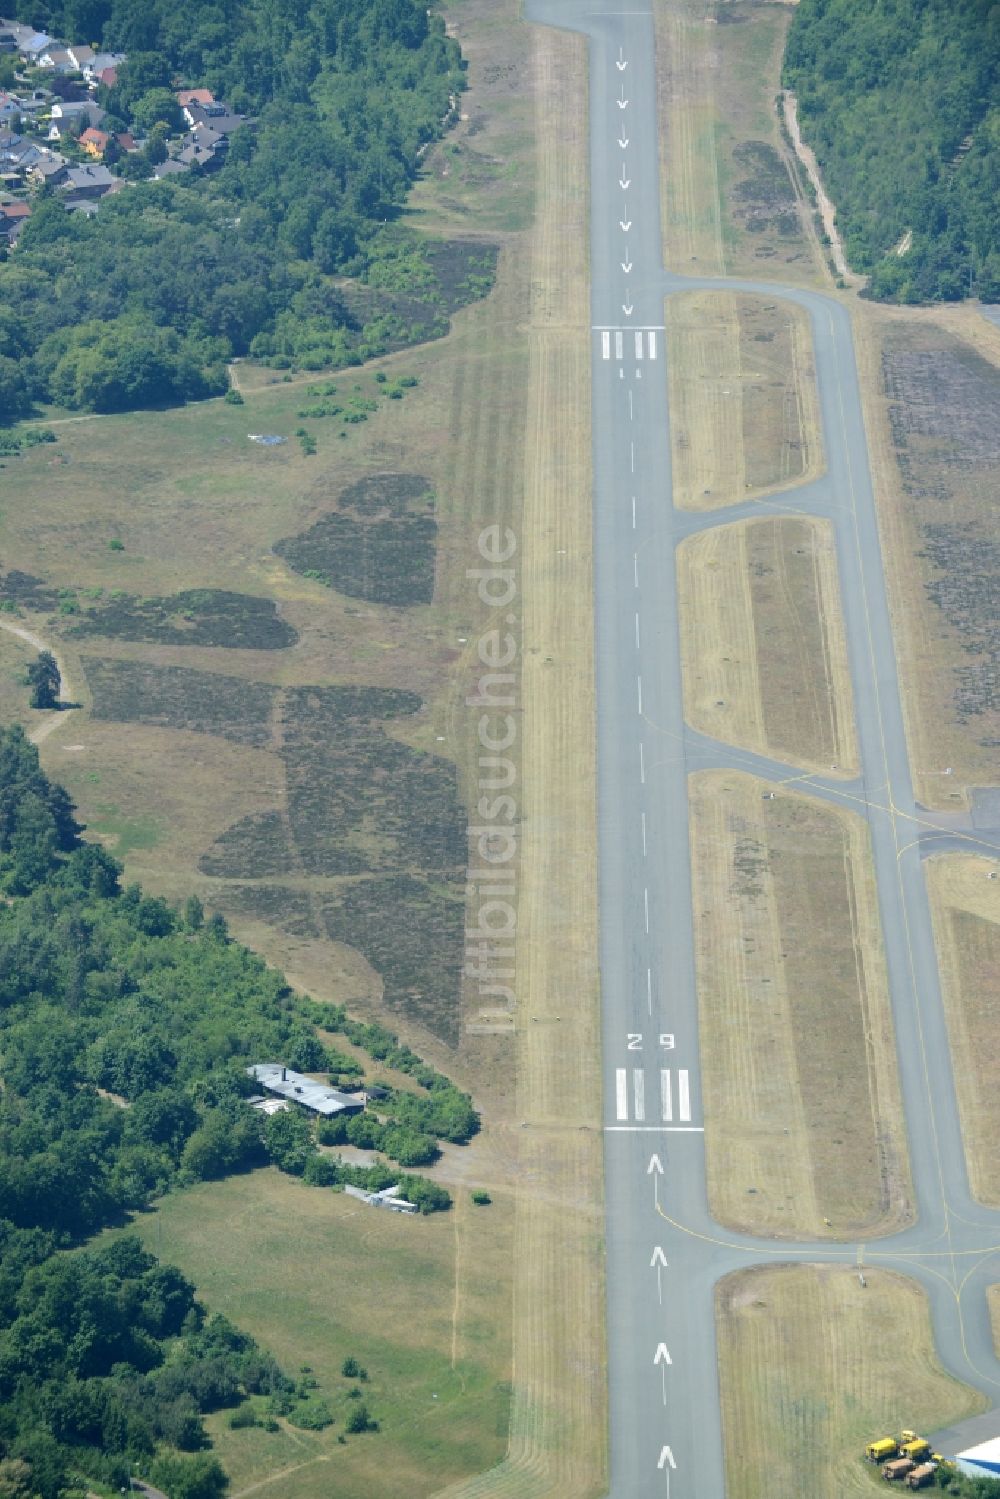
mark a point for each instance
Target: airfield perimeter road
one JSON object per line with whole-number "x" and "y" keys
{"x": 664, "y": 1252}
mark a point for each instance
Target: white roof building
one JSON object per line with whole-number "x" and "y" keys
{"x": 982, "y": 1461}
{"x": 298, "y": 1088}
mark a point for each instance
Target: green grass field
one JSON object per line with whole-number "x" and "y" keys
{"x": 316, "y": 1276}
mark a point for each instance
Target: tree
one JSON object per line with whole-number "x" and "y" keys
{"x": 45, "y": 681}
{"x": 360, "y": 1419}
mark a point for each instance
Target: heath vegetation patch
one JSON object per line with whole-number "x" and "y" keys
{"x": 379, "y": 544}
{"x": 177, "y": 697}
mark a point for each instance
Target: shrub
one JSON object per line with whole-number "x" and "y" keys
{"x": 349, "y": 1368}
{"x": 481, "y": 1199}
{"x": 233, "y": 398}
{"x": 114, "y": 545}
{"x": 360, "y": 1420}
{"x": 312, "y": 1415}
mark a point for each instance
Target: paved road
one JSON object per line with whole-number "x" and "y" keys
{"x": 664, "y": 1253}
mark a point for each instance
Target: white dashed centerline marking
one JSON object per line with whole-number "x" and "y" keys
{"x": 643, "y": 835}
{"x": 638, "y": 681}
{"x": 645, "y": 901}
{"x": 642, "y": 765}
{"x": 637, "y": 631}
{"x": 633, "y": 512}
{"x": 635, "y": 568}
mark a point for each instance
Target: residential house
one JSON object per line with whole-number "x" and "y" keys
{"x": 106, "y": 78}
{"x": 170, "y": 168}
{"x": 13, "y": 217}
{"x": 19, "y": 32}
{"x": 87, "y": 182}
{"x": 81, "y": 56}
{"x": 189, "y": 96}
{"x": 96, "y": 142}
{"x": 8, "y": 42}
{"x": 11, "y": 109}
{"x": 68, "y": 118}
{"x": 203, "y": 148}
{"x": 17, "y": 155}
{"x": 103, "y": 62}
{"x": 32, "y": 46}
{"x": 50, "y": 170}
{"x": 217, "y": 117}
{"x": 57, "y": 60}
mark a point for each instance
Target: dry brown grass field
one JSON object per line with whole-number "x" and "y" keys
{"x": 765, "y": 660}
{"x": 803, "y": 1119}
{"x": 812, "y": 1367}
{"x": 931, "y": 382}
{"x": 730, "y": 197}
{"x": 219, "y": 750}
{"x": 743, "y": 403}
{"x": 965, "y": 902}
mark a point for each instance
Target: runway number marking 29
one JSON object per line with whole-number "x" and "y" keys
{"x": 634, "y": 1041}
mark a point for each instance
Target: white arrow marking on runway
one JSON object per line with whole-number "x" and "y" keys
{"x": 626, "y": 264}
{"x": 621, "y": 64}
{"x": 628, "y": 309}
{"x": 654, "y": 1166}
{"x": 666, "y": 1456}
{"x": 662, "y": 1355}
{"x": 623, "y": 181}
{"x": 622, "y": 102}
{"x": 623, "y": 143}
{"x": 626, "y": 225}
{"x": 659, "y": 1261}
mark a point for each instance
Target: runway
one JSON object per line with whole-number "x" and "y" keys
{"x": 664, "y": 1253}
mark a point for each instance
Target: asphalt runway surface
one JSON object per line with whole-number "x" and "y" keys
{"x": 664, "y": 1252}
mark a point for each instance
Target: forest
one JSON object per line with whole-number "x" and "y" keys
{"x": 126, "y": 1028}
{"x": 901, "y": 102}
{"x": 145, "y": 302}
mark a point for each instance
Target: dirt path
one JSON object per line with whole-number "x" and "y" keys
{"x": 827, "y": 211}
{"x": 57, "y": 718}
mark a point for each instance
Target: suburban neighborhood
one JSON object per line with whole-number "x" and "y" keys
{"x": 57, "y": 135}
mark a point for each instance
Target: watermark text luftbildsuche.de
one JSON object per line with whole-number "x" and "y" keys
{"x": 491, "y": 913}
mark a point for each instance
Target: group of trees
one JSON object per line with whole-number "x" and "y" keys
{"x": 901, "y": 102}
{"x": 126, "y": 1028}
{"x": 145, "y": 302}
{"x": 106, "y": 1360}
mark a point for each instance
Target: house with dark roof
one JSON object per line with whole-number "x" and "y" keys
{"x": 87, "y": 182}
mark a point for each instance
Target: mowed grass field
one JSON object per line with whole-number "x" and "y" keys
{"x": 764, "y": 653}
{"x": 315, "y": 1277}
{"x": 743, "y": 401}
{"x": 812, "y": 1367}
{"x": 730, "y": 197}
{"x": 803, "y": 1119}
{"x": 965, "y": 903}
